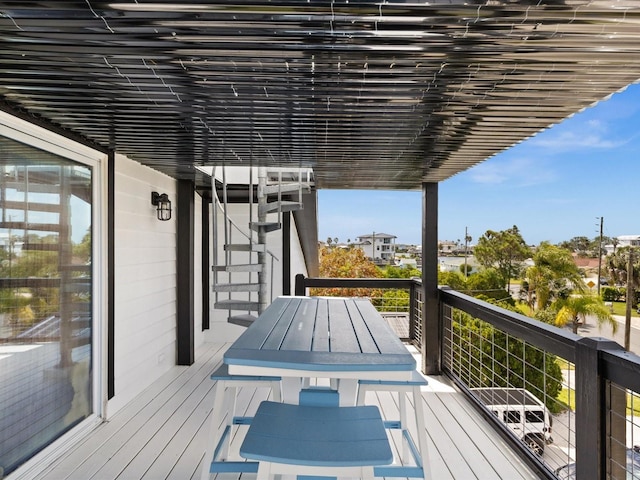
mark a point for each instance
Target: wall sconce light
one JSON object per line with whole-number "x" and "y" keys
{"x": 162, "y": 204}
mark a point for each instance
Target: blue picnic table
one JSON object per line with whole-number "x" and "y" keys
{"x": 342, "y": 340}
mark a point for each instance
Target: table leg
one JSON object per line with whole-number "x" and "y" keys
{"x": 422, "y": 431}
{"x": 291, "y": 389}
{"x": 348, "y": 390}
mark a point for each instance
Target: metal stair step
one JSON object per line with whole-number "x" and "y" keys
{"x": 234, "y": 304}
{"x": 245, "y": 247}
{"x": 247, "y": 267}
{"x": 236, "y": 287}
{"x": 283, "y": 206}
{"x": 242, "y": 320}
{"x": 265, "y": 226}
{"x": 285, "y": 188}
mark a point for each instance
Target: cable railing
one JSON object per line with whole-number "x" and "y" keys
{"x": 569, "y": 404}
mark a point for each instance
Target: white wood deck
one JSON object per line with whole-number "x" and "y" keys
{"x": 162, "y": 433}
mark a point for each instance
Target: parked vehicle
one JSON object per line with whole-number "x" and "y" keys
{"x": 568, "y": 471}
{"x": 520, "y": 410}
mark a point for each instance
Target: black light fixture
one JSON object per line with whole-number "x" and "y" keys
{"x": 163, "y": 205}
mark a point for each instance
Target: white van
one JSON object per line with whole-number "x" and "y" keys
{"x": 521, "y": 411}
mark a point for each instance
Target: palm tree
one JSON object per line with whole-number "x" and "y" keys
{"x": 552, "y": 276}
{"x": 617, "y": 264}
{"x": 575, "y": 309}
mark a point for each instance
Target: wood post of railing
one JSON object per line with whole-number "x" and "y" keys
{"x": 300, "y": 290}
{"x": 594, "y": 398}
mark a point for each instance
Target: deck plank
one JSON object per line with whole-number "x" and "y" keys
{"x": 95, "y": 450}
{"x": 162, "y": 433}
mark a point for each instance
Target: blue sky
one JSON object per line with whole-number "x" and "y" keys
{"x": 554, "y": 186}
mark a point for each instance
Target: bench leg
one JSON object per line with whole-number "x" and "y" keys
{"x": 268, "y": 470}
{"x": 216, "y": 419}
{"x": 402, "y": 405}
{"x": 264, "y": 470}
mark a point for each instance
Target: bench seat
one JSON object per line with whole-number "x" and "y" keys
{"x": 309, "y": 440}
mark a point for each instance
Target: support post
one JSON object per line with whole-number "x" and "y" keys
{"x": 184, "y": 272}
{"x": 111, "y": 283}
{"x": 593, "y": 400}
{"x": 286, "y": 253}
{"x": 205, "y": 264}
{"x": 300, "y": 289}
{"x": 431, "y": 336}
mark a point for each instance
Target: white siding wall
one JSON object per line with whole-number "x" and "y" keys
{"x": 145, "y": 281}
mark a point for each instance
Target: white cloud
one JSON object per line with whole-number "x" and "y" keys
{"x": 518, "y": 172}
{"x": 590, "y": 134}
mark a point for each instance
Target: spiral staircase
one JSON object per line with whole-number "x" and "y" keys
{"x": 241, "y": 272}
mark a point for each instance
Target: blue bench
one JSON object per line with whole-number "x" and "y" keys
{"x": 316, "y": 440}
{"x": 414, "y": 457}
{"x": 224, "y": 406}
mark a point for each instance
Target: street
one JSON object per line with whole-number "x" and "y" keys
{"x": 591, "y": 329}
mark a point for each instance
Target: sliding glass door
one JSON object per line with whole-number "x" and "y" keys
{"x": 46, "y": 299}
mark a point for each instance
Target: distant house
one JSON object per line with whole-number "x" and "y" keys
{"x": 623, "y": 241}
{"x": 407, "y": 262}
{"x": 628, "y": 240}
{"x": 380, "y": 247}
{"x": 447, "y": 247}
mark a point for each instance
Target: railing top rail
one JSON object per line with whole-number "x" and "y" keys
{"x": 359, "y": 282}
{"x": 542, "y": 335}
{"x": 621, "y": 367}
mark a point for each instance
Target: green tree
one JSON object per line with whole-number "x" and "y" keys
{"x": 617, "y": 263}
{"x": 454, "y": 280}
{"x": 406, "y": 271}
{"x": 504, "y": 250}
{"x": 553, "y": 275}
{"x": 487, "y": 357}
{"x": 488, "y": 284}
{"x": 394, "y": 301}
{"x": 575, "y": 309}
{"x": 83, "y": 249}
{"x": 346, "y": 263}
{"x": 579, "y": 245}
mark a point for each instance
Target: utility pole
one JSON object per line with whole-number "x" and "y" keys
{"x": 630, "y": 298}
{"x": 373, "y": 247}
{"x": 600, "y": 255}
{"x": 466, "y": 241}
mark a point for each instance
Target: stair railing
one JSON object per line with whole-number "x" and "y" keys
{"x": 229, "y": 227}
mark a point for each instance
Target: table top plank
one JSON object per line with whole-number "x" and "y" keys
{"x": 297, "y": 334}
{"x": 276, "y": 336}
{"x": 321, "y": 331}
{"x": 386, "y": 339}
{"x": 342, "y": 336}
{"x": 361, "y": 328}
{"x": 255, "y": 336}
